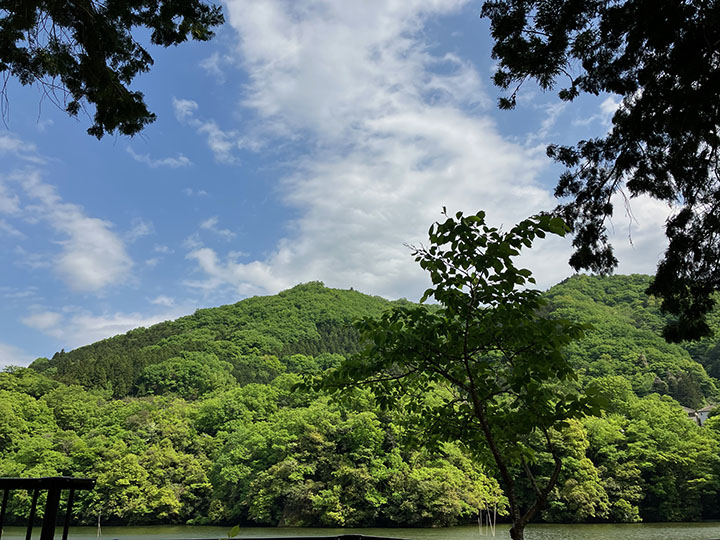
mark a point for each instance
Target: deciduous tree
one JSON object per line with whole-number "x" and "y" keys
{"x": 487, "y": 367}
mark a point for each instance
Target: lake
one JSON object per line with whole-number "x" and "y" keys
{"x": 635, "y": 531}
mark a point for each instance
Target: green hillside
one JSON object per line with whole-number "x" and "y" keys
{"x": 625, "y": 339}
{"x": 256, "y": 339}
{"x": 196, "y": 421}
{"x": 250, "y": 335}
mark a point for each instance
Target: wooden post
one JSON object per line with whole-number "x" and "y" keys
{"x": 51, "y": 511}
{"x": 28, "y": 534}
{"x": 2, "y": 510}
{"x": 68, "y": 513}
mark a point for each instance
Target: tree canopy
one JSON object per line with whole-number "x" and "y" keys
{"x": 194, "y": 421}
{"x": 662, "y": 59}
{"x": 85, "y": 51}
{"x": 488, "y": 367}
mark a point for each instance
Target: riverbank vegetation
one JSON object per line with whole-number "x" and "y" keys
{"x": 196, "y": 421}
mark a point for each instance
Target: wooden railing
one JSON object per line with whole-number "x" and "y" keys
{"x": 54, "y": 485}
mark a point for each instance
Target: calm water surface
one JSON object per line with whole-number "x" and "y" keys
{"x": 641, "y": 531}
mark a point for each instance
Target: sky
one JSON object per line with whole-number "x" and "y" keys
{"x": 310, "y": 140}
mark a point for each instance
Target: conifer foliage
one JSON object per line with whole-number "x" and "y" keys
{"x": 86, "y": 51}
{"x": 663, "y": 61}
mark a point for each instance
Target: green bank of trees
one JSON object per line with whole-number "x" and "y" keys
{"x": 261, "y": 454}
{"x": 625, "y": 339}
{"x": 251, "y": 335}
{"x": 252, "y": 454}
{"x": 168, "y": 448}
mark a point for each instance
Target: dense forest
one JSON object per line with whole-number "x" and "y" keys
{"x": 199, "y": 420}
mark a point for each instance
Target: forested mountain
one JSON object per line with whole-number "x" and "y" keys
{"x": 259, "y": 337}
{"x": 196, "y": 420}
{"x": 625, "y": 339}
{"x": 250, "y": 335}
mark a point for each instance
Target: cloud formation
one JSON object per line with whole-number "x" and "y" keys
{"x": 396, "y": 135}
{"x": 42, "y": 320}
{"x": 222, "y": 144}
{"x": 140, "y": 228}
{"x": 172, "y": 162}
{"x": 11, "y": 144}
{"x": 210, "y": 224}
{"x": 92, "y": 256}
{"x": 13, "y": 356}
{"x": 75, "y": 327}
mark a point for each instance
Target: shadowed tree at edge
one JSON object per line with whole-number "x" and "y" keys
{"x": 662, "y": 59}
{"x": 87, "y": 51}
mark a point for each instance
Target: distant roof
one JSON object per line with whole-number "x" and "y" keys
{"x": 688, "y": 409}
{"x": 707, "y": 409}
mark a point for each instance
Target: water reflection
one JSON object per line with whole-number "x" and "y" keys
{"x": 636, "y": 531}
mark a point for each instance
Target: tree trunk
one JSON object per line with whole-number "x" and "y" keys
{"x": 517, "y": 531}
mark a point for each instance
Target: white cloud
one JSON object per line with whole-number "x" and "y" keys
{"x": 211, "y": 65}
{"x": 13, "y": 356}
{"x": 92, "y": 257}
{"x": 245, "y": 279}
{"x": 184, "y": 108}
{"x": 163, "y": 301}
{"x": 214, "y": 65}
{"x": 222, "y": 144}
{"x": 43, "y": 320}
{"x": 173, "y": 162}
{"x": 192, "y": 242}
{"x": 31, "y": 260}
{"x": 76, "y": 327}
{"x": 11, "y": 144}
{"x": 638, "y": 233}
{"x": 394, "y": 132}
{"x": 8, "y": 230}
{"x": 323, "y": 65}
{"x": 606, "y": 111}
{"x": 395, "y": 143}
{"x": 609, "y": 106}
{"x": 12, "y": 293}
{"x": 44, "y": 124}
{"x": 210, "y": 224}
{"x": 139, "y": 229}
{"x": 9, "y": 201}
{"x": 552, "y": 114}
{"x": 195, "y": 192}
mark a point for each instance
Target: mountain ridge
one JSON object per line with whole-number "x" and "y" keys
{"x": 312, "y": 319}
{"x": 199, "y": 420}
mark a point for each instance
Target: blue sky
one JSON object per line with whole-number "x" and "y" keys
{"x": 310, "y": 140}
